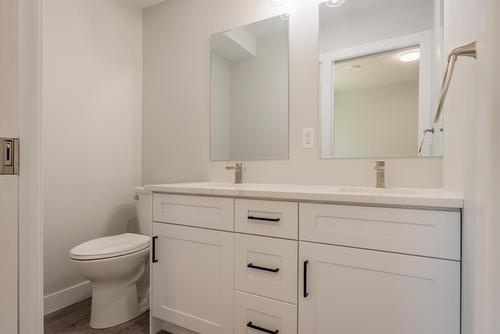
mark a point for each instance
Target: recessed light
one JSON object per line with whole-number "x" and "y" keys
{"x": 411, "y": 55}
{"x": 277, "y": 3}
{"x": 334, "y": 3}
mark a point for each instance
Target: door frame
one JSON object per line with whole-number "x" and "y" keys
{"x": 30, "y": 293}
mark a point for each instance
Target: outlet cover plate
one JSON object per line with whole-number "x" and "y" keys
{"x": 308, "y": 138}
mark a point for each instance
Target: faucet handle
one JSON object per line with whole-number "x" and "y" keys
{"x": 379, "y": 164}
{"x": 237, "y": 166}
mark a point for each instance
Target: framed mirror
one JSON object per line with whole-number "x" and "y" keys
{"x": 249, "y": 91}
{"x": 380, "y": 70}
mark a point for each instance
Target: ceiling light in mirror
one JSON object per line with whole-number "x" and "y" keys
{"x": 285, "y": 16}
{"x": 334, "y": 3}
{"x": 354, "y": 68}
{"x": 409, "y": 56}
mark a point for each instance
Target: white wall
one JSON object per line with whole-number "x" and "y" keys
{"x": 377, "y": 121}
{"x": 471, "y": 163}
{"x": 8, "y": 183}
{"x": 387, "y": 20}
{"x": 259, "y": 101}
{"x": 92, "y": 78}
{"x": 176, "y": 100}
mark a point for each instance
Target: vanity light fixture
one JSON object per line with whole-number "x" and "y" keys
{"x": 411, "y": 55}
{"x": 334, "y": 3}
{"x": 277, "y": 3}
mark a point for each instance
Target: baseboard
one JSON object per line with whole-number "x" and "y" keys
{"x": 60, "y": 299}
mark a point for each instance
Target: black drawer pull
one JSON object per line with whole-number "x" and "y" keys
{"x": 251, "y": 265}
{"x": 305, "y": 279}
{"x": 153, "y": 249}
{"x": 264, "y": 219}
{"x": 264, "y": 330}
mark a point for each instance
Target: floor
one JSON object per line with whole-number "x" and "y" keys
{"x": 75, "y": 319}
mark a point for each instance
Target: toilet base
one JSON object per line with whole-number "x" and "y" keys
{"x": 120, "y": 288}
{"x": 112, "y": 306}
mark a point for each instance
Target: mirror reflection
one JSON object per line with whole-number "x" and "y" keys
{"x": 249, "y": 91}
{"x": 380, "y": 65}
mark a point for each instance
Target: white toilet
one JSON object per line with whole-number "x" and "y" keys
{"x": 118, "y": 268}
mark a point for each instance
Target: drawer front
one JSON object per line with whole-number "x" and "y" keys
{"x": 266, "y": 267}
{"x": 409, "y": 231}
{"x": 255, "y": 315}
{"x": 276, "y": 219}
{"x": 199, "y": 211}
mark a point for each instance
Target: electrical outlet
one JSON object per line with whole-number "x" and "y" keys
{"x": 308, "y": 138}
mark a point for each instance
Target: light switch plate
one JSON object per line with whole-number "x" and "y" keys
{"x": 308, "y": 138}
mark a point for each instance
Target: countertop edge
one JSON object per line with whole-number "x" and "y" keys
{"x": 348, "y": 198}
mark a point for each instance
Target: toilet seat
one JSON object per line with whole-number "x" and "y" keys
{"x": 108, "y": 247}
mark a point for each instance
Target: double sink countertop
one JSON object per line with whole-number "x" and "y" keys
{"x": 413, "y": 197}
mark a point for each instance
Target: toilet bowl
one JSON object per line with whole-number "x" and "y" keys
{"x": 118, "y": 269}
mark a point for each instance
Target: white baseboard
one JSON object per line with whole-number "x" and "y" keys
{"x": 60, "y": 299}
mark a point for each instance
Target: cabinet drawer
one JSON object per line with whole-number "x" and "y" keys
{"x": 276, "y": 219}
{"x": 199, "y": 211}
{"x": 410, "y": 231}
{"x": 266, "y": 267}
{"x": 252, "y": 311}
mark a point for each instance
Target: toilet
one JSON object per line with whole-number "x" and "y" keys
{"x": 118, "y": 269}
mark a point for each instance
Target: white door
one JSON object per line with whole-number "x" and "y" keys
{"x": 193, "y": 278}
{"x": 8, "y": 183}
{"x": 352, "y": 291}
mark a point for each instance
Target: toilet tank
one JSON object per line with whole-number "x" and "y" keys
{"x": 144, "y": 210}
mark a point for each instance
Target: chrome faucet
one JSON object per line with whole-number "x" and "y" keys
{"x": 238, "y": 172}
{"x": 380, "y": 168}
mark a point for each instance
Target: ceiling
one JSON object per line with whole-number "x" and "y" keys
{"x": 222, "y": 44}
{"x": 376, "y": 70}
{"x": 327, "y": 13}
{"x": 146, "y": 3}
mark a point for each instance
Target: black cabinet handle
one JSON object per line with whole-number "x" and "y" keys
{"x": 264, "y": 330}
{"x": 153, "y": 249}
{"x": 251, "y": 265}
{"x": 264, "y": 219}
{"x": 305, "y": 279}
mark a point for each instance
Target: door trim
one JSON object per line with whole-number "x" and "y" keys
{"x": 30, "y": 184}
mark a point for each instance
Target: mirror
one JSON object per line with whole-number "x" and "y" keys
{"x": 249, "y": 91}
{"x": 380, "y": 70}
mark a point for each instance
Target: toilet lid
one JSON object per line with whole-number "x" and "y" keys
{"x": 107, "y": 247}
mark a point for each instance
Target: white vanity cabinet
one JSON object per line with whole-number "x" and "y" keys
{"x": 192, "y": 282}
{"x": 349, "y": 290}
{"x": 242, "y": 265}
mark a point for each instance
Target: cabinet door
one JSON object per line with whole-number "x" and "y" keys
{"x": 192, "y": 283}
{"x": 352, "y": 291}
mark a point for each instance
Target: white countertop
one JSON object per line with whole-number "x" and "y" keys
{"x": 419, "y": 197}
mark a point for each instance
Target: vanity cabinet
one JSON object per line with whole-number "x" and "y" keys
{"x": 192, "y": 282}
{"x": 349, "y": 290}
{"x": 241, "y": 265}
